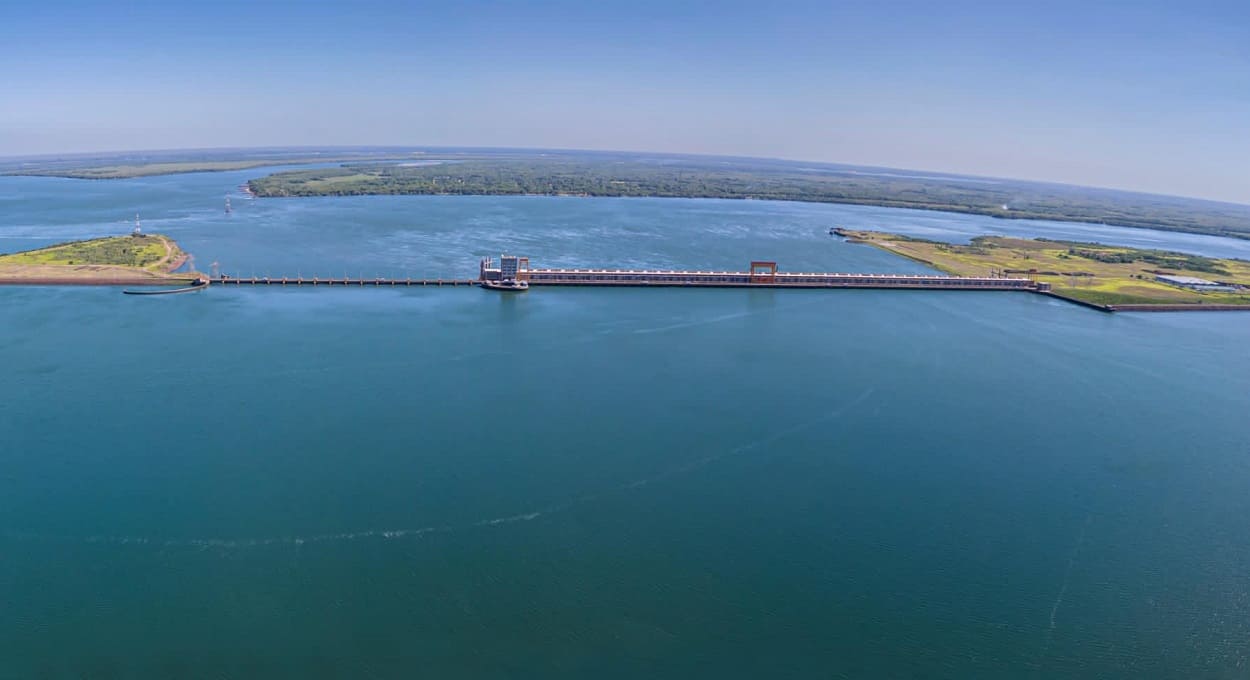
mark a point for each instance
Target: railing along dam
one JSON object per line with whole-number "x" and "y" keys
{"x": 760, "y": 275}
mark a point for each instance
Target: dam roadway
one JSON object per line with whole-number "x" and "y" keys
{"x": 760, "y": 275}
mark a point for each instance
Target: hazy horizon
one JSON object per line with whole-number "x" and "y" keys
{"x": 1144, "y": 97}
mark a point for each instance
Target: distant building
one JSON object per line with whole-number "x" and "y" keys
{"x": 511, "y": 268}
{"x": 1193, "y": 283}
{"x": 508, "y": 267}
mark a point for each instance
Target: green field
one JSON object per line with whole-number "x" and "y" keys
{"x": 149, "y": 251}
{"x": 1090, "y": 272}
{"x": 145, "y": 259}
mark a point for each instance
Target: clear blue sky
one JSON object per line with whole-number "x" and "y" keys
{"x": 1151, "y": 95}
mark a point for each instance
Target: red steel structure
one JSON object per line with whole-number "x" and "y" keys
{"x": 763, "y": 272}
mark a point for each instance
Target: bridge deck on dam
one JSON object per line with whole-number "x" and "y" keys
{"x": 609, "y": 278}
{"x": 575, "y": 277}
{"x": 761, "y": 275}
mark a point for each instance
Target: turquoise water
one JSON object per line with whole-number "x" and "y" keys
{"x": 615, "y": 483}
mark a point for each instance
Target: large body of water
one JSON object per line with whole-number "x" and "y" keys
{"x": 604, "y": 483}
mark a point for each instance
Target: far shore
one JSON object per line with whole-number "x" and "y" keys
{"x": 136, "y": 170}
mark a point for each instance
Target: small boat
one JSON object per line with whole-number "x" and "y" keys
{"x": 165, "y": 291}
{"x": 510, "y": 285}
{"x": 198, "y": 284}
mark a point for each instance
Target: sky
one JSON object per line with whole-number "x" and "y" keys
{"x": 1149, "y": 95}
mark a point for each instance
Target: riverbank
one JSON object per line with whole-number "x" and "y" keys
{"x": 88, "y": 275}
{"x": 1112, "y": 278}
{"x": 138, "y": 260}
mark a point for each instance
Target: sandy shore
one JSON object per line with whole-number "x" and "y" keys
{"x": 84, "y": 275}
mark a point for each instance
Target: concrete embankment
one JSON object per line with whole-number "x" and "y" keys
{"x": 1180, "y": 308}
{"x": 1083, "y": 303}
{"x": 1150, "y": 308}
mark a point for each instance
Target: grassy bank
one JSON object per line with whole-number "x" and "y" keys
{"x": 115, "y": 259}
{"x": 144, "y": 251}
{"x": 1096, "y": 273}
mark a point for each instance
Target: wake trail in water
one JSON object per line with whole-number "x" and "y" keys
{"x": 230, "y": 542}
{"x": 718, "y": 319}
{"x": 1063, "y": 586}
{"x": 696, "y": 322}
{"x": 794, "y": 429}
{"x": 389, "y": 534}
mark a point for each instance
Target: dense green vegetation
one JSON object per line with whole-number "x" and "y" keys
{"x": 1159, "y": 258}
{"x": 694, "y": 177}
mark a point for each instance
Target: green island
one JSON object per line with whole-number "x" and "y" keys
{"x": 358, "y": 171}
{"x": 629, "y": 175}
{"x": 143, "y": 259}
{"x": 1088, "y": 272}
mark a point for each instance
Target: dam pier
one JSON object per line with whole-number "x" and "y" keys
{"x": 760, "y": 274}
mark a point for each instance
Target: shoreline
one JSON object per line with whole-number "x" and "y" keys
{"x": 880, "y": 241}
{"x": 176, "y": 263}
{"x": 949, "y": 210}
{"x": 88, "y": 281}
{"x": 71, "y": 263}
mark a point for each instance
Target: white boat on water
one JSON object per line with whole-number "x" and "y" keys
{"x": 511, "y": 285}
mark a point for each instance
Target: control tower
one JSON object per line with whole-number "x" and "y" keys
{"x": 511, "y": 268}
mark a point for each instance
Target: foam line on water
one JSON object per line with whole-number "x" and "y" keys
{"x": 390, "y": 534}
{"x": 510, "y": 519}
{"x": 696, "y": 322}
{"x": 1067, "y": 572}
{"x": 718, "y": 319}
{"x": 794, "y": 429}
{"x": 1063, "y": 587}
